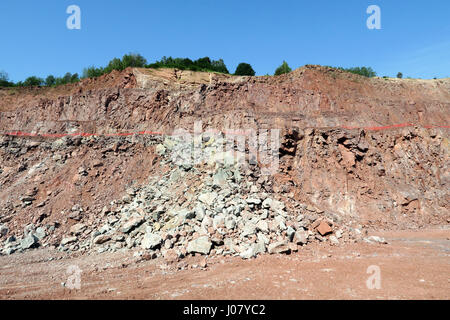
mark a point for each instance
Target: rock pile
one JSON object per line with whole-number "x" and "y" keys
{"x": 216, "y": 206}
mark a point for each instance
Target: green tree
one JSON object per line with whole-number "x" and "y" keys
{"x": 284, "y": 68}
{"x": 134, "y": 60}
{"x": 399, "y": 75}
{"x": 67, "y": 78}
{"x": 4, "y": 76}
{"x": 244, "y": 69}
{"x": 203, "y": 63}
{"x": 50, "y": 81}
{"x": 33, "y": 81}
{"x": 219, "y": 66}
{"x": 4, "y": 80}
{"x": 93, "y": 72}
{"x": 74, "y": 78}
{"x": 114, "y": 64}
{"x": 362, "y": 71}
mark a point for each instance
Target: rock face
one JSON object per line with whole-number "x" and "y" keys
{"x": 170, "y": 196}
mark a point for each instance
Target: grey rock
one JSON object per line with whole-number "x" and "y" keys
{"x": 280, "y": 223}
{"x": 262, "y": 226}
{"x": 263, "y": 238}
{"x": 3, "y": 230}
{"x": 68, "y": 240}
{"x": 334, "y": 240}
{"x": 151, "y": 241}
{"x": 208, "y": 198}
{"x": 218, "y": 221}
{"x": 200, "y": 245}
{"x": 77, "y": 229}
{"x": 249, "y": 229}
{"x": 40, "y": 233}
{"x": 199, "y": 212}
{"x": 30, "y": 241}
{"x": 160, "y": 149}
{"x": 279, "y": 247}
{"x": 254, "y": 201}
{"x": 101, "y": 239}
{"x": 300, "y": 237}
{"x": 131, "y": 224}
{"x": 267, "y": 203}
{"x": 375, "y": 239}
{"x": 230, "y": 222}
{"x": 290, "y": 233}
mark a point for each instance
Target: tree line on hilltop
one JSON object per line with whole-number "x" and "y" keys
{"x": 138, "y": 61}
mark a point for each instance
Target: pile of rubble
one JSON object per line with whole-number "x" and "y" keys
{"x": 217, "y": 205}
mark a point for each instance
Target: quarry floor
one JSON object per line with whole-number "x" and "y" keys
{"x": 414, "y": 265}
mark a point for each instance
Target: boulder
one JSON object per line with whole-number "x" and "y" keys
{"x": 200, "y": 245}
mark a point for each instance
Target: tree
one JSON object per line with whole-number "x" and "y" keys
{"x": 50, "y": 81}
{"x": 114, "y": 64}
{"x": 67, "y": 78}
{"x": 4, "y": 80}
{"x": 203, "y": 63}
{"x": 219, "y": 66}
{"x": 33, "y": 81}
{"x": 4, "y": 76}
{"x": 284, "y": 68}
{"x": 134, "y": 60}
{"x": 244, "y": 69}
{"x": 93, "y": 72}
{"x": 399, "y": 75}
{"x": 74, "y": 78}
{"x": 362, "y": 71}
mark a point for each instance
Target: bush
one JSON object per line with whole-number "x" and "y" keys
{"x": 134, "y": 60}
{"x": 202, "y": 64}
{"x": 284, "y": 68}
{"x": 4, "y": 80}
{"x": 33, "y": 81}
{"x": 399, "y": 75}
{"x": 362, "y": 71}
{"x": 50, "y": 81}
{"x": 93, "y": 72}
{"x": 244, "y": 69}
{"x": 114, "y": 64}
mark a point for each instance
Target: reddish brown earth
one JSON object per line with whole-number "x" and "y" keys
{"x": 414, "y": 265}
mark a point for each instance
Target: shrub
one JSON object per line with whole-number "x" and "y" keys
{"x": 202, "y": 64}
{"x": 399, "y": 75}
{"x": 134, "y": 60}
{"x": 362, "y": 71}
{"x": 244, "y": 69}
{"x": 50, "y": 81}
{"x": 4, "y": 80}
{"x": 93, "y": 72}
{"x": 33, "y": 81}
{"x": 284, "y": 68}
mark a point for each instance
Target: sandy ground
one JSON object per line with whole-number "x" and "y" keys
{"x": 414, "y": 265}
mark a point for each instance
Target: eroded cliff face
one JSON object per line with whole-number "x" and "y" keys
{"x": 393, "y": 178}
{"x": 162, "y": 100}
{"x": 356, "y": 151}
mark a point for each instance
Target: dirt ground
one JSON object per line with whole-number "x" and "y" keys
{"x": 414, "y": 265}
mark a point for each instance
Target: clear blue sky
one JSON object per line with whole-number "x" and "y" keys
{"x": 414, "y": 39}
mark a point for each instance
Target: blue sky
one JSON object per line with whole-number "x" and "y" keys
{"x": 414, "y": 39}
